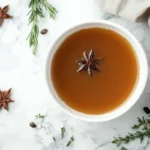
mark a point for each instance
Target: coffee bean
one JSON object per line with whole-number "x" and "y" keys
{"x": 32, "y": 124}
{"x": 44, "y": 31}
{"x": 146, "y": 110}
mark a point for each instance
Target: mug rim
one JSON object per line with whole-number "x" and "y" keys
{"x": 137, "y": 91}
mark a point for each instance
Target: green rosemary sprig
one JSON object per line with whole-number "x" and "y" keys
{"x": 70, "y": 141}
{"x": 35, "y": 13}
{"x": 143, "y": 124}
{"x": 39, "y": 116}
{"x": 52, "y": 10}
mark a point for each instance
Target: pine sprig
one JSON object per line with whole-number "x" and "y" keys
{"x": 35, "y": 13}
{"x": 143, "y": 124}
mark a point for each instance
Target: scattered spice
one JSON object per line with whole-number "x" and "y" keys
{"x": 146, "y": 110}
{"x": 5, "y": 98}
{"x": 44, "y": 31}
{"x": 32, "y": 124}
{"x": 3, "y": 14}
{"x": 70, "y": 141}
{"x": 89, "y": 63}
{"x": 39, "y": 116}
{"x": 63, "y": 130}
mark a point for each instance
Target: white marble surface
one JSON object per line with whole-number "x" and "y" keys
{"x": 24, "y": 72}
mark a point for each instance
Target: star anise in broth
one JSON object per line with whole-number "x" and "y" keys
{"x": 3, "y": 14}
{"x": 89, "y": 63}
{"x": 5, "y": 99}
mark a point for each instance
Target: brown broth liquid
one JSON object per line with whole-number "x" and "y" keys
{"x": 107, "y": 89}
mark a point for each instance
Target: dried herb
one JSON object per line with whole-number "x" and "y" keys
{"x": 70, "y": 141}
{"x": 123, "y": 148}
{"x": 63, "y": 130}
{"x": 35, "y": 13}
{"x": 5, "y": 98}
{"x": 143, "y": 127}
{"x": 54, "y": 139}
{"x": 32, "y": 124}
{"x": 89, "y": 63}
{"x": 39, "y": 116}
{"x": 4, "y": 15}
{"x": 72, "y": 138}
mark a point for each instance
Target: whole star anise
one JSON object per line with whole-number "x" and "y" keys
{"x": 89, "y": 63}
{"x": 4, "y": 98}
{"x": 3, "y": 14}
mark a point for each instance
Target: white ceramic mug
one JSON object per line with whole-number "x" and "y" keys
{"x": 135, "y": 94}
